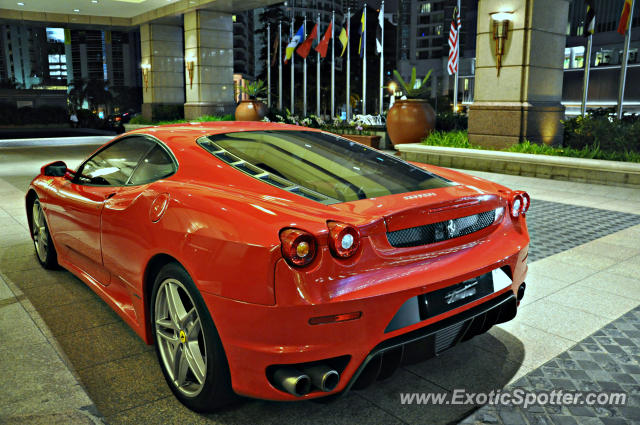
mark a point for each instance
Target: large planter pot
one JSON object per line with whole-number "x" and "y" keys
{"x": 251, "y": 110}
{"x": 410, "y": 121}
{"x": 371, "y": 141}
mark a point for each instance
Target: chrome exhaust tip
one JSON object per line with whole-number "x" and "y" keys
{"x": 293, "y": 381}
{"x": 323, "y": 377}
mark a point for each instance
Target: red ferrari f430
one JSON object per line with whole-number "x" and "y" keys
{"x": 280, "y": 262}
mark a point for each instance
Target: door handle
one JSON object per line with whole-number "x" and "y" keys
{"x": 109, "y": 196}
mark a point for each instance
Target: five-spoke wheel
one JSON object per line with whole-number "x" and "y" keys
{"x": 180, "y": 340}
{"x": 187, "y": 343}
{"x": 45, "y": 250}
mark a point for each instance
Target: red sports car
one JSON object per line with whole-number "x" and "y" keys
{"x": 280, "y": 262}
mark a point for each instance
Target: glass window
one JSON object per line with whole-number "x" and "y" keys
{"x": 114, "y": 165}
{"x": 155, "y": 166}
{"x": 327, "y": 164}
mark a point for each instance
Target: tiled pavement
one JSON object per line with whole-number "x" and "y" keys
{"x": 576, "y": 286}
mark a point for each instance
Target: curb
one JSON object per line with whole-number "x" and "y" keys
{"x": 596, "y": 171}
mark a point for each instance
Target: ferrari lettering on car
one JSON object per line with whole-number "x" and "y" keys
{"x": 280, "y": 262}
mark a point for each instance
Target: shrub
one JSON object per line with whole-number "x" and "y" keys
{"x": 451, "y": 139}
{"x": 599, "y": 130}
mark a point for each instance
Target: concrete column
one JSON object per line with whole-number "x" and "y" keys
{"x": 523, "y": 101}
{"x": 162, "y": 60}
{"x": 208, "y": 51}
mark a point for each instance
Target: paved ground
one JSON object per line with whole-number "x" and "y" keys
{"x": 583, "y": 275}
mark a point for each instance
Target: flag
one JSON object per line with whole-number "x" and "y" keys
{"x": 294, "y": 43}
{"x": 379, "y": 30}
{"x": 276, "y": 44}
{"x": 590, "y": 19}
{"x": 624, "y": 17}
{"x": 344, "y": 37}
{"x": 361, "y": 47}
{"x": 454, "y": 45}
{"x": 305, "y": 47}
{"x": 323, "y": 45}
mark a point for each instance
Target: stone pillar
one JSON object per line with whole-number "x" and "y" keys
{"x": 162, "y": 61}
{"x": 208, "y": 52}
{"x": 523, "y": 101}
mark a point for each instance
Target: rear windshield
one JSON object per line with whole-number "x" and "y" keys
{"x": 331, "y": 168}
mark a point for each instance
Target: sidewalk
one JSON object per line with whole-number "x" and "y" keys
{"x": 38, "y": 387}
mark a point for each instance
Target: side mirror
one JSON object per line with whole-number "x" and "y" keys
{"x": 54, "y": 169}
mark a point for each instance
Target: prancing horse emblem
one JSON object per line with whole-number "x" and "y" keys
{"x": 451, "y": 228}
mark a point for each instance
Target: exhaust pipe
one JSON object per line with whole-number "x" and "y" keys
{"x": 293, "y": 381}
{"x": 521, "y": 291}
{"x": 323, "y": 377}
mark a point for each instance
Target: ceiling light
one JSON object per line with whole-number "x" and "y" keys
{"x": 20, "y": 3}
{"x": 76, "y": 10}
{"x": 94, "y": 1}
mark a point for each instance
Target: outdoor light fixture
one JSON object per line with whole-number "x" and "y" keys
{"x": 500, "y": 21}
{"x": 145, "y": 74}
{"x": 190, "y": 65}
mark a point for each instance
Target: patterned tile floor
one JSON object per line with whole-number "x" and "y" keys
{"x": 608, "y": 360}
{"x": 555, "y": 227}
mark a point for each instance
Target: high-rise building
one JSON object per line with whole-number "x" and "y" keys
{"x": 423, "y": 32}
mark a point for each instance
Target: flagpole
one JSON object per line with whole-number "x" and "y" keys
{"x": 318, "y": 72}
{"x": 304, "y": 70}
{"x": 293, "y": 55}
{"x": 455, "y": 82}
{"x": 269, "y": 65}
{"x": 382, "y": 59}
{"x": 348, "y": 63}
{"x": 364, "y": 62}
{"x": 585, "y": 85}
{"x": 625, "y": 57}
{"x": 280, "y": 66}
{"x": 333, "y": 64}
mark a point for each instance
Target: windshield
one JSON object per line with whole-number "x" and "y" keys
{"x": 326, "y": 164}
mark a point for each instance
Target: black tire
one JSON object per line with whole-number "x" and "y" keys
{"x": 215, "y": 390}
{"x": 42, "y": 242}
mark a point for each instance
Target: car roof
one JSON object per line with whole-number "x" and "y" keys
{"x": 183, "y": 134}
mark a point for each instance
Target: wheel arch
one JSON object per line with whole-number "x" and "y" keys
{"x": 155, "y": 264}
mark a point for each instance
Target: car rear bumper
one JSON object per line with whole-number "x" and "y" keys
{"x": 258, "y": 338}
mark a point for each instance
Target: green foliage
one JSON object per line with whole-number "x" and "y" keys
{"x": 600, "y": 130}
{"x": 255, "y": 89}
{"x": 450, "y": 139}
{"x": 414, "y": 89}
{"x": 205, "y": 118}
{"x": 460, "y": 139}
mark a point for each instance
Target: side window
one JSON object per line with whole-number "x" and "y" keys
{"x": 114, "y": 165}
{"x": 155, "y": 166}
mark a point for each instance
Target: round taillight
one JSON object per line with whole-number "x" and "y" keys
{"x": 298, "y": 247}
{"x": 344, "y": 239}
{"x": 516, "y": 205}
{"x": 526, "y": 202}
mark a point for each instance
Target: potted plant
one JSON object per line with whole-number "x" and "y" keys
{"x": 412, "y": 119}
{"x": 252, "y": 109}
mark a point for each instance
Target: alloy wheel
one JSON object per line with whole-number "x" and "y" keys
{"x": 180, "y": 339}
{"x": 40, "y": 233}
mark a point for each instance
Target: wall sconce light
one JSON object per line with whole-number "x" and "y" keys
{"x": 190, "y": 65}
{"x": 500, "y": 21}
{"x": 145, "y": 74}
